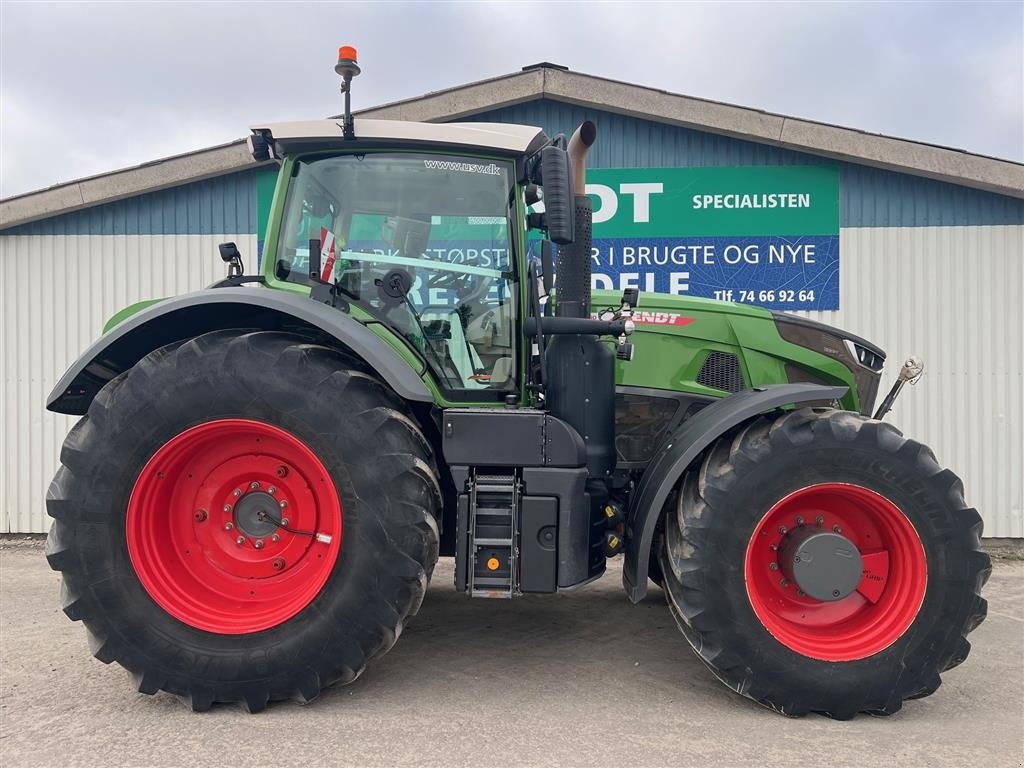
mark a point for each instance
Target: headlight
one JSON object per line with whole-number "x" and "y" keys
{"x": 863, "y": 358}
{"x": 871, "y": 358}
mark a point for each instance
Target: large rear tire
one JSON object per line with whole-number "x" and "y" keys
{"x": 244, "y": 517}
{"x": 865, "y": 648}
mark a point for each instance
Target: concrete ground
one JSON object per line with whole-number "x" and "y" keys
{"x": 577, "y": 679}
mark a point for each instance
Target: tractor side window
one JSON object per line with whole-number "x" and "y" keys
{"x": 423, "y": 243}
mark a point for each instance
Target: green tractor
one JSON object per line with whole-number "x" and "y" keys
{"x": 266, "y": 471}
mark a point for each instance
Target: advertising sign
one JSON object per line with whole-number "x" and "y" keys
{"x": 766, "y": 235}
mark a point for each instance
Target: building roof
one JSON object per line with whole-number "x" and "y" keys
{"x": 549, "y": 81}
{"x": 503, "y": 137}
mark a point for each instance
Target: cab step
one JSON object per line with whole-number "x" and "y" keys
{"x": 493, "y": 567}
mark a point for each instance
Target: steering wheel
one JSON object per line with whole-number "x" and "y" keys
{"x": 468, "y": 288}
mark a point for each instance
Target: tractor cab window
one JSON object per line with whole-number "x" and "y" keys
{"x": 421, "y": 242}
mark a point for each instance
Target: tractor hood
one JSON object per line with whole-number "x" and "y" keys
{"x": 793, "y": 327}
{"x": 675, "y": 334}
{"x": 864, "y": 359}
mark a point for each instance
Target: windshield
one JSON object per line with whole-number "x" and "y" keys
{"x": 420, "y": 241}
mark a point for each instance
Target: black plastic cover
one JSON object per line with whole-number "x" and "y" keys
{"x": 538, "y": 544}
{"x": 559, "y": 207}
{"x": 574, "y": 516}
{"x": 509, "y": 438}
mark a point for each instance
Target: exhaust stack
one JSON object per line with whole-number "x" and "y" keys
{"x": 574, "y": 259}
{"x": 581, "y": 369}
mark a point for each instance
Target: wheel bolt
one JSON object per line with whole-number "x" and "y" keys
{"x": 800, "y": 592}
{"x": 819, "y": 521}
{"x": 773, "y": 566}
{"x": 227, "y": 507}
{"x": 240, "y": 540}
{"x": 278, "y": 563}
{"x": 782, "y": 529}
{"x": 200, "y": 515}
{"x": 229, "y": 526}
{"x": 774, "y": 547}
{"x": 271, "y": 490}
{"x": 258, "y": 543}
{"x": 253, "y": 485}
{"x": 283, "y": 504}
{"x": 799, "y": 520}
{"x": 275, "y": 538}
{"x": 284, "y": 521}
{"x": 237, "y": 492}
{"x": 836, "y": 529}
{"x": 784, "y": 583}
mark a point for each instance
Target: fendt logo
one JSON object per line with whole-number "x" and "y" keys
{"x": 661, "y": 318}
{"x": 655, "y": 318}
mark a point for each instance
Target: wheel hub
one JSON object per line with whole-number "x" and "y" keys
{"x": 255, "y": 513}
{"x": 823, "y": 564}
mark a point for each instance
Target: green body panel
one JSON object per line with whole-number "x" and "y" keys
{"x": 121, "y": 315}
{"x": 669, "y": 356}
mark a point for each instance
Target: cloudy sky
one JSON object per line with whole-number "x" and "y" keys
{"x": 87, "y": 88}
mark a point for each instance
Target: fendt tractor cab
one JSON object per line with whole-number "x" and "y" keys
{"x": 267, "y": 470}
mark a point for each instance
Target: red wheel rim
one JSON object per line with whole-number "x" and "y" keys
{"x": 884, "y": 603}
{"x": 201, "y": 530}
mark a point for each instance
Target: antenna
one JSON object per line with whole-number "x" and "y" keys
{"x": 348, "y": 68}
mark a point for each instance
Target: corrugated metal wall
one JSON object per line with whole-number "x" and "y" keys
{"x": 222, "y": 204}
{"x": 56, "y": 294}
{"x": 951, "y": 295}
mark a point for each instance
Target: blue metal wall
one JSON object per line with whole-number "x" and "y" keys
{"x": 222, "y": 204}
{"x": 869, "y": 197}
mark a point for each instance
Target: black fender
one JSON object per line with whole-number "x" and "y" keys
{"x": 192, "y": 314}
{"x": 681, "y": 448}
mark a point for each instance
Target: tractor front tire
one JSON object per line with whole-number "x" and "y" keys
{"x": 841, "y": 488}
{"x": 244, "y": 517}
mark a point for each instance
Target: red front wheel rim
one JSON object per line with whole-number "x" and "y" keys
{"x": 882, "y": 606}
{"x": 206, "y": 526}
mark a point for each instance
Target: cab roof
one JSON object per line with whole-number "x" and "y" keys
{"x": 502, "y": 138}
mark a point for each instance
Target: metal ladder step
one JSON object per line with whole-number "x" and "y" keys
{"x": 500, "y": 594}
{"x": 505, "y": 510}
{"x": 507, "y": 480}
{"x": 490, "y": 581}
{"x": 493, "y": 511}
{"x": 494, "y": 489}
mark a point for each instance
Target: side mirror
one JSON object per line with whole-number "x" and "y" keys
{"x": 230, "y": 255}
{"x": 559, "y": 202}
